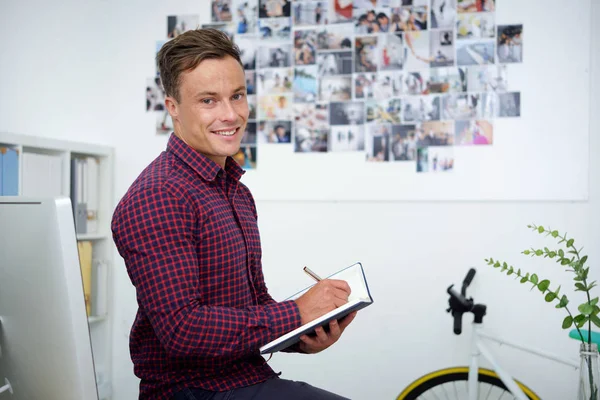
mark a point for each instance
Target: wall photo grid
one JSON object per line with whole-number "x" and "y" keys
{"x": 399, "y": 80}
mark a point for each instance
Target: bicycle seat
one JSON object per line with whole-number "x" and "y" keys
{"x": 573, "y": 334}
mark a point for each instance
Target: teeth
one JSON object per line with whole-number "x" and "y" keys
{"x": 225, "y": 133}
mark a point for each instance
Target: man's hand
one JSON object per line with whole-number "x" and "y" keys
{"x": 323, "y": 297}
{"x": 322, "y": 340}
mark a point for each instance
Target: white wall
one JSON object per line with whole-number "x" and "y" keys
{"x": 77, "y": 71}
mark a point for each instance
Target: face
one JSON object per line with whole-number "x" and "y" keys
{"x": 213, "y": 110}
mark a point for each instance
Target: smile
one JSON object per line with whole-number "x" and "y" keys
{"x": 229, "y": 132}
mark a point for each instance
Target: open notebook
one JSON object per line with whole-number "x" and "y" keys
{"x": 359, "y": 298}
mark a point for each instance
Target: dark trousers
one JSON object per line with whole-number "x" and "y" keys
{"x": 272, "y": 389}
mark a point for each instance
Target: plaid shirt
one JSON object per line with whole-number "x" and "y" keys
{"x": 187, "y": 230}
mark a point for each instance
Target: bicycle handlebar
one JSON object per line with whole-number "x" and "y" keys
{"x": 459, "y": 304}
{"x": 468, "y": 279}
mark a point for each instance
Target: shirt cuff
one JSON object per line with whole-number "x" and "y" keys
{"x": 283, "y": 317}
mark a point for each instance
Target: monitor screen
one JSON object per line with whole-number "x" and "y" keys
{"x": 45, "y": 346}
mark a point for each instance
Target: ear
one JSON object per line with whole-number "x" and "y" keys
{"x": 172, "y": 107}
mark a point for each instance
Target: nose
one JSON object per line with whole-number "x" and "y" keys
{"x": 228, "y": 111}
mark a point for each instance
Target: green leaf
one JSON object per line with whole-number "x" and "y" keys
{"x": 561, "y": 253}
{"x": 554, "y": 233}
{"x": 570, "y": 242}
{"x": 582, "y": 322}
{"x": 594, "y": 301}
{"x": 586, "y": 309}
{"x": 565, "y": 261}
{"x": 595, "y": 320}
{"x": 591, "y": 285}
{"x": 539, "y": 252}
{"x": 543, "y": 285}
{"x": 524, "y": 279}
{"x": 580, "y": 287}
{"x": 563, "y": 302}
{"x": 496, "y": 264}
{"x": 583, "y": 260}
{"x": 526, "y": 252}
{"x": 552, "y": 254}
{"x": 540, "y": 229}
{"x": 534, "y": 279}
{"x": 510, "y": 271}
{"x": 567, "y": 322}
{"x": 550, "y": 296}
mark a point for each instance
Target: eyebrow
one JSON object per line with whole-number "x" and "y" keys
{"x": 206, "y": 93}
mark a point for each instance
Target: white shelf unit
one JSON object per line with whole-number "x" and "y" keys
{"x": 100, "y": 326}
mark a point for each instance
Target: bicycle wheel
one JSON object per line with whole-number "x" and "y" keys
{"x": 452, "y": 384}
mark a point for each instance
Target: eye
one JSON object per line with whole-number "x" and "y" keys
{"x": 207, "y": 101}
{"x": 238, "y": 96}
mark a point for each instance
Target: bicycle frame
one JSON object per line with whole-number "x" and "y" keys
{"x": 478, "y": 348}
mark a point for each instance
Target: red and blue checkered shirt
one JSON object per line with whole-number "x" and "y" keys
{"x": 187, "y": 230}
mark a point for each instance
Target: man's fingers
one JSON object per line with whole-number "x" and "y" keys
{"x": 344, "y": 322}
{"x": 340, "y": 284}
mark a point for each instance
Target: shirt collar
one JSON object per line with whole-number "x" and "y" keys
{"x": 204, "y": 166}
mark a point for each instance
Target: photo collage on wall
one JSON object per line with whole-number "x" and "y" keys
{"x": 398, "y": 80}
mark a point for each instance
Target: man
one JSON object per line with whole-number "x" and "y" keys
{"x": 188, "y": 233}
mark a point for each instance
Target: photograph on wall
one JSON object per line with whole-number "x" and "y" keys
{"x": 155, "y": 95}
{"x": 249, "y": 134}
{"x": 475, "y": 26}
{"x": 245, "y": 16}
{"x": 177, "y": 24}
{"x": 275, "y": 80}
{"x": 388, "y": 84}
{"x": 228, "y": 28}
{"x": 311, "y": 140}
{"x": 364, "y": 85}
{"x": 420, "y": 108}
{"x": 252, "y": 104}
{"x": 274, "y": 55}
{"x": 305, "y": 84}
{"x": 510, "y": 43}
{"x": 275, "y": 107}
{"x": 475, "y": 52}
{"x": 377, "y": 142}
{"x": 347, "y": 113}
{"x": 365, "y": 49}
{"x": 448, "y": 80}
{"x": 440, "y": 159}
{"x": 347, "y": 138}
{"x": 473, "y": 6}
{"x": 442, "y": 48}
{"x": 246, "y": 157}
{"x": 490, "y": 78}
{"x": 274, "y": 8}
{"x": 335, "y": 88}
{"x": 473, "y": 132}
{"x": 334, "y": 63}
{"x": 461, "y": 106}
{"x": 308, "y": 13}
{"x": 443, "y": 14}
{"x": 509, "y": 104}
{"x": 437, "y": 133}
{"x": 404, "y": 143}
{"x": 250, "y": 82}
{"x": 312, "y": 116}
{"x": 221, "y": 11}
{"x": 339, "y": 11}
{"x": 418, "y": 55}
{"x": 164, "y": 123}
{"x": 335, "y": 37}
{"x": 248, "y": 45}
{"x": 275, "y": 28}
{"x": 305, "y": 47}
{"x": 415, "y": 83}
{"x": 274, "y": 132}
{"x": 391, "y": 51}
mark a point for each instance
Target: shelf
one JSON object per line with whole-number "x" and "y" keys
{"x": 91, "y": 236}
{"x": 96, "y": 318}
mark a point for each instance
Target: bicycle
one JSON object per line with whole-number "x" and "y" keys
{"x": 468, "y": 382}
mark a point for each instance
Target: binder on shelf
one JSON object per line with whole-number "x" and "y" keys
{"x": 100, "y": 288}
{"x": 91, "y": 193}
{"x": 85, "y": 262}
{"x": 42, "y": 175}
{"x": 77, "y": 198}
{"x": 1, "y": 153}
{"x": 10, "y": 171}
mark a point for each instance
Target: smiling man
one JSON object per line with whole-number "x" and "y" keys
{"x": 187, "y": 230}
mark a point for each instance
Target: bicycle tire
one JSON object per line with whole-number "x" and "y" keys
{"x": 457, "y": 374}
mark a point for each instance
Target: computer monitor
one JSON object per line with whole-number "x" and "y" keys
{"x": 45, "y": 345}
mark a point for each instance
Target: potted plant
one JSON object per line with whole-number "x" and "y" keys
{"x": 568, "y": 256}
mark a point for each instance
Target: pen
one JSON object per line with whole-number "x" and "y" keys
{"x": 312, "y": 274}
